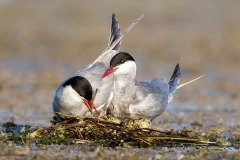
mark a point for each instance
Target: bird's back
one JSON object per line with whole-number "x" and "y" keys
{"x": 151, "y": 98}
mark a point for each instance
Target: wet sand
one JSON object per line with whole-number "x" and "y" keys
{"x": 43, "y": 43}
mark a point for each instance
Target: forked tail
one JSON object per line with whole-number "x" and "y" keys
{"x": 115, "y": 32}
{"x": 109, "y": 48}
{"x": 114, "y": 43}
{"x": 174, "y": 82}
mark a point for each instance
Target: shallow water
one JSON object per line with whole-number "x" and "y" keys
{"x": 43, "y": 43}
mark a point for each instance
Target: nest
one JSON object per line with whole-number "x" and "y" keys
{"x": 109, "y": 132}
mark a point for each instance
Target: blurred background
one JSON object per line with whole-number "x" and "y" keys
{"x": 44, "y": 42}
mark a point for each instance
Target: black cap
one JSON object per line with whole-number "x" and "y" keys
{"x": 120, "y": 58}
{"x": 81, "y": 85}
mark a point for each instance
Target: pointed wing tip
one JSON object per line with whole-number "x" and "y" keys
{"x": 113, "y": 15}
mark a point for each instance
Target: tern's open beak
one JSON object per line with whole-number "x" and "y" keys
{"x": 109, "y": 71}
{"x": 90, "y": 105}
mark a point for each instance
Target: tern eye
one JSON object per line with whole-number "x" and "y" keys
{"x": 122, "y": 61}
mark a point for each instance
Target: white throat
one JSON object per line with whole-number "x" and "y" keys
{"x": 128, "y": 68}
{"x": 125, "y": 74}
{"x": 70, "y": 96}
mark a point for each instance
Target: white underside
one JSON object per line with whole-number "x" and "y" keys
{"x": 68, "y": 101}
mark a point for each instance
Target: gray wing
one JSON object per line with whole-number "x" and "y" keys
{"x": 160, "y": 82}
{"x": 151, "y": 99}
{"x": 94, "y": 71}
{"x": 94, "y": 76}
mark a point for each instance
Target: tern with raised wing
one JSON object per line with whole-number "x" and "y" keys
{"x": 74, "y": 95}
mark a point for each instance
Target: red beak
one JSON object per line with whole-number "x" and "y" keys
{"x": 90, "y": 105}
{"x": 109, "y": 71}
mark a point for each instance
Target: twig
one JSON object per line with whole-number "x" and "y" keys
{"x": 96, "y": 120}
{"x": 154, "y": 130}
{"x": 77, "y": 141}
{"x": 94, "y": 96}
{"x": 165, "y": 126}
{"x": 150, "y": 138}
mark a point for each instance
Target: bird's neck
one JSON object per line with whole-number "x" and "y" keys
{"x": 123, "y": 96}
{"x": 123, "y": 80}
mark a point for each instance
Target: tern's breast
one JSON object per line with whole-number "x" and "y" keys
{"x": 68, "y": 101}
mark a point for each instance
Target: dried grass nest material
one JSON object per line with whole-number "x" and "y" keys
{"x": 109, "y": 132}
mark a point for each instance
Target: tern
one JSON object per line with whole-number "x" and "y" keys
{"x": 131, "y": 99}
{"x": 74, "y": 95}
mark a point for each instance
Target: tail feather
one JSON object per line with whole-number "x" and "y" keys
{"x": 115, "y": 40}
{"x": 115, "y": 33}
{"x": 174, "y": 80}
{"x": 109, "y": 48}
{"x": 174, "y": 83}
